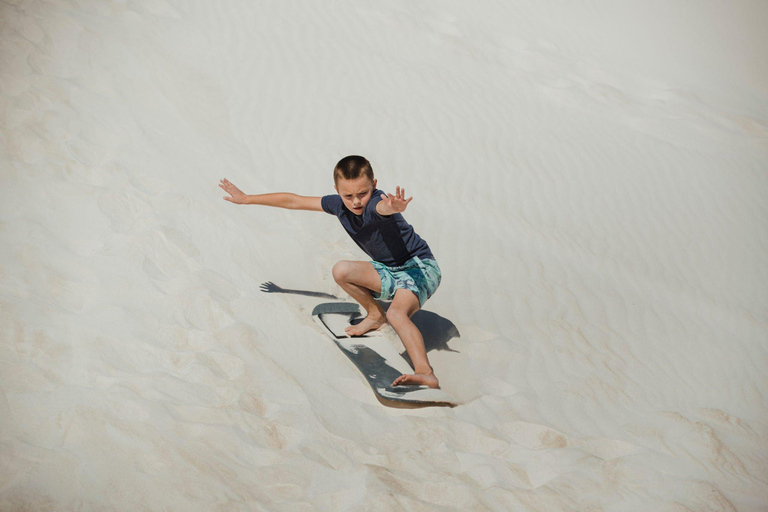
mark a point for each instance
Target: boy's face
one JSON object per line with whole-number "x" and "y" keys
{"x": 356, "y": 193}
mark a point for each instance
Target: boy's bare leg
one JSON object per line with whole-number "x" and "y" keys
{"x": 404, "y": 305}
{"x": 358, "y": 279}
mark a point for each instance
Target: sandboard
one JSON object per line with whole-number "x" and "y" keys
{"x": 375, "y": 356}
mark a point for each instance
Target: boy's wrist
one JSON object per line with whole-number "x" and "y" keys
{"x": 381, "y": 209}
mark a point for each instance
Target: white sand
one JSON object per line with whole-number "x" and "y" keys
{"x": 593, "y": 180}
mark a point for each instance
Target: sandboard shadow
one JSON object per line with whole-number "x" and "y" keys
{"x": 436, "y": 330}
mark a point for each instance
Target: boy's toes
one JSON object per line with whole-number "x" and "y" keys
{"x": 352, "y": 331}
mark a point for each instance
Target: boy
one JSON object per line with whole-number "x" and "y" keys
{"x": 402, "y": 269}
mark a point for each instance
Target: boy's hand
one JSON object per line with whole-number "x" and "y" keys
{"x": 397, "y": 203}
{"x": 236, "y": 195}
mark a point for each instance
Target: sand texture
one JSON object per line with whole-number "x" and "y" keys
{"x": 591, "y": 176}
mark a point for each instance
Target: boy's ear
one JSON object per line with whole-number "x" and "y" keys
{"x": 374, "y": 183}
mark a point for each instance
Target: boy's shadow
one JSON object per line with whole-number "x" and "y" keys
{"x": 436, "y": 330}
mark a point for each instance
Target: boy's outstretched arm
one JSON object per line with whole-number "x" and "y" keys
{"x": 279, "y": 199}
{"x": 390, "y": 204}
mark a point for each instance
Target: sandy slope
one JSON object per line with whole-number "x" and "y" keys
{"x": 592, "y": 179}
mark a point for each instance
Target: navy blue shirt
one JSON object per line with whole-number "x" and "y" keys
{"x": 387, "y": 239}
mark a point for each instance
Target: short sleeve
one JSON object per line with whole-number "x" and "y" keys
{"x": 332, "y": 204}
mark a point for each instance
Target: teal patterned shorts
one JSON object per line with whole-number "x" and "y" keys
{"x": 422, "y": 277}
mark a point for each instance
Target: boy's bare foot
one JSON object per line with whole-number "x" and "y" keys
{"x": 418, "y": 378}
{"x": 369, "y": 323}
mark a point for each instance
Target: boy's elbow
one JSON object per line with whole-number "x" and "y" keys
{"x": 291, "y": 201}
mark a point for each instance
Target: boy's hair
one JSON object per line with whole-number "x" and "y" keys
{"x": 352, "y": 167}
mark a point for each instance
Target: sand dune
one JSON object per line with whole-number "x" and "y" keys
{"x": 591, "y": 178}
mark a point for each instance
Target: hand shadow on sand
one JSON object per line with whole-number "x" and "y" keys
{"x": 436, "y": 330}
{"x": 270, "y": 287}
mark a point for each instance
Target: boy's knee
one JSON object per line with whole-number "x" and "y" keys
{"x": 395, "y": 315}
{"x": 341, "y": 271}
